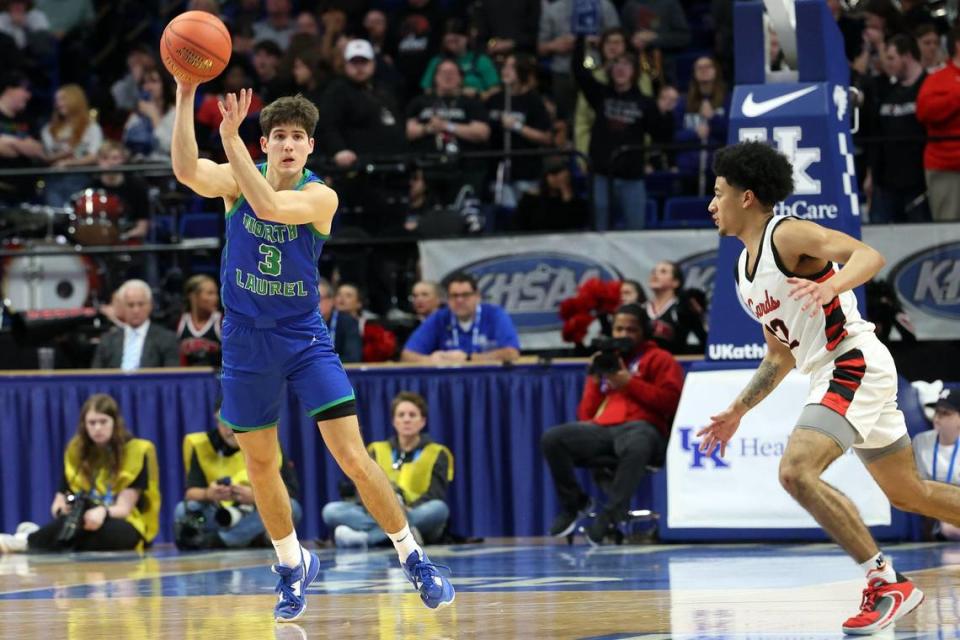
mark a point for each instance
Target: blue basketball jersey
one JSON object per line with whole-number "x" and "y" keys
{"x": 269, "y": 269}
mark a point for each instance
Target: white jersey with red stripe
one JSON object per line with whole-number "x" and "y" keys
{"x": 766, "y": 295}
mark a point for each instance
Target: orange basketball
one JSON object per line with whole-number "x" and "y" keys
{"x": 195, "y": 46}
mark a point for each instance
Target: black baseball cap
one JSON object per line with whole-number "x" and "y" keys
{"x": 949, "y": 400}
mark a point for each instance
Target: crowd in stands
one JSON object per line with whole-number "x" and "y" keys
{"x": 433, "y": 80}
{"x": 429, "y": 81}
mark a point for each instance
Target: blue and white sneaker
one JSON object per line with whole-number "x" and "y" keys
{"x": 292, "y": 586}
{"x": 435, "y": 590}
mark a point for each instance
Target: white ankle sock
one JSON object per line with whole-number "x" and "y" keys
{"x": 404, "y": 542}
{"x": 288, "y": 550}
{"x": 879, "y": 566}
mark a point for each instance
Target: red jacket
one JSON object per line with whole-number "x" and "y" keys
{"x": 652, "y": 395}
{"x": 938, "y": 109}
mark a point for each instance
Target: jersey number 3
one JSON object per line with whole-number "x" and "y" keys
{"x": 779, "y": 330}
{"x": 271, "y": 260}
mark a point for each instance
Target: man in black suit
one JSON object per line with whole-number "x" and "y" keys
{"x": 139, "y": 343}
{"x": 344, "y": 328}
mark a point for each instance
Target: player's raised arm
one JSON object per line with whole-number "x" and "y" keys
{"x": 772, "y": 370}
{"x": 315, "y": 203}
{"x": 860, "y": 261}
{"x": 206, "y": 178}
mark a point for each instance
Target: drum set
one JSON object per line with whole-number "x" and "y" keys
{"x": 43, "y": 280}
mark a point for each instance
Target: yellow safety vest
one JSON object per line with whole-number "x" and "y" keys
{"x": 213, "y": 464}
{"x": 145, "y": 515}
{"x": 413, "y": 477}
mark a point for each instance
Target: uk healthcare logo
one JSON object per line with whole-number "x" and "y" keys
{"x": 787, "y": 139}
{"x": 699, "y": 457}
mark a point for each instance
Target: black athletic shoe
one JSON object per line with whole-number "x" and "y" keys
{"x": 600, "y": 528}
{"x": 566, "y": 522}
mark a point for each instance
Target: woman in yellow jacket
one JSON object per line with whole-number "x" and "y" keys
{"x": 114, "y": 478}
{"x": 419, "y": 469}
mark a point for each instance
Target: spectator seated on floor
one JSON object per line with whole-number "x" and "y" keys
{"x": 936, "y": 452}
{"x": 625, "y": 412}
{"x": 420, "y": 470}
{"x": 109, "y": 498}
{"x": 218, "y": 510}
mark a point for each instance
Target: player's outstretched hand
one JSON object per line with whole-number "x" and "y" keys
{"x": 234, "y": 111}
{"x": 720, "y": 431}
{"x": 818, "y": 294}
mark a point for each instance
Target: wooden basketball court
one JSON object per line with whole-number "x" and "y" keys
{"x": 505, "y": 589}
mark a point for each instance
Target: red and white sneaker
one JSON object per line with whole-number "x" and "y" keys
{"x": 883, "y": 604}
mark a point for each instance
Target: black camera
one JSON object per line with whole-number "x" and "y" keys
{"x": 611, "y": 351}
{"x": 79, "y": 503}
{"x": 189, "y": 532}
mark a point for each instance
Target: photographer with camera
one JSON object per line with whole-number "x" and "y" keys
{"x": 628, "y": 402}
{"x": 109, "y": 499}
{"x": 218, "y": 510}
{"x": 420, "y": 471}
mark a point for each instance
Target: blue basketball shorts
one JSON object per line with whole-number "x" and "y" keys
{"x": 260, "y": 354}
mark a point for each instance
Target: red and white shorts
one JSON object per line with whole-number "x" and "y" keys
{"x": 859, "y": 386}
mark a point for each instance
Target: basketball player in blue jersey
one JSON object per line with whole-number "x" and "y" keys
{"x": 278, "y": 215}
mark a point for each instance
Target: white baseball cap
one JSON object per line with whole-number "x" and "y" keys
{"x": 358, "y": 49}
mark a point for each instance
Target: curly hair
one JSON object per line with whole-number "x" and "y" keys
{"x": 758, "y": 167}
{"x": 291, "y": 111}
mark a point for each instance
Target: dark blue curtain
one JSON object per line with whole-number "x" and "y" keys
{"x": 41, "y": 413}
{"x": 490, "y": 417}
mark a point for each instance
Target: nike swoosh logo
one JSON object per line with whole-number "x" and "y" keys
{"x": 753, "y": 109}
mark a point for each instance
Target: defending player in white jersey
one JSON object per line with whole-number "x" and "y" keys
{"x": 788, "y": 275}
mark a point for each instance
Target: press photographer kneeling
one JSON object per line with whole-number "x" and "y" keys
{"x": 628, "y": 402}
{"x": 109, "y": 499}
{"x": 218, "y": 509}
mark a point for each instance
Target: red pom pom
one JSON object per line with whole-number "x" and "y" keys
{"x": 575, "y": 329}
{"x": 590, "y": 292}
{"x": 608, "y": 299}
{"x": 379, "y": 344}
{"x": 573, "y": 306}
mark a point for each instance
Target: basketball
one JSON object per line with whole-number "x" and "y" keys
{"x": 195, "y": 46}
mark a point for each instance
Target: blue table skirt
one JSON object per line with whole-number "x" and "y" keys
{"x": 490, "y": 417}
